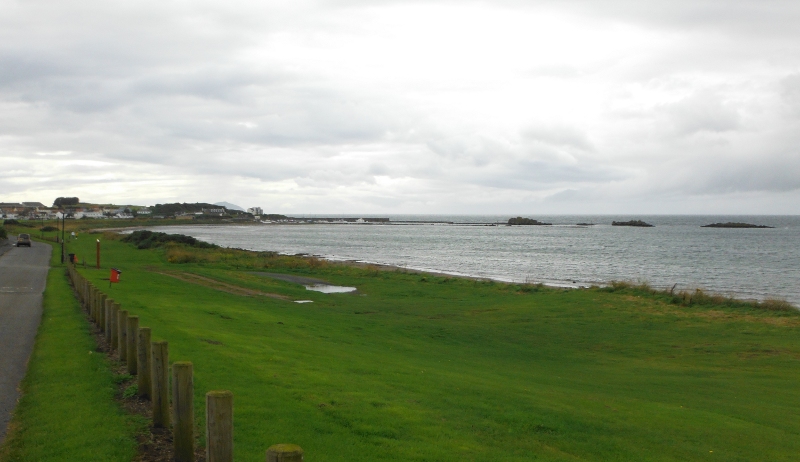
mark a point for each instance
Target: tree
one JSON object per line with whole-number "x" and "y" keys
{"x": 64, "y": 201}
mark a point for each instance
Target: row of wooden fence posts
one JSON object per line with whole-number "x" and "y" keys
{"x": 149, "y": 362}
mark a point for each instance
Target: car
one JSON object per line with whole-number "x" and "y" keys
{"x": 24, "y": 239}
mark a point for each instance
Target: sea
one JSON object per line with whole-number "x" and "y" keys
{"x": 676, "y": 252}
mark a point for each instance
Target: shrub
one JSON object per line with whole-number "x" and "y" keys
{"x": 144, "y": 239}
{"x": 48, "y": 228}
{"x": 3, "y": 233}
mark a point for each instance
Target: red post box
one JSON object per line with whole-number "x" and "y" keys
{"x": 115, "y": 275}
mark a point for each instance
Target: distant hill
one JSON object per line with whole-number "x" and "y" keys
{"x": 230, "y": 206}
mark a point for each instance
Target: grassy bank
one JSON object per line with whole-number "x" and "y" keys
{"x": 416, "y": 367}
{"x": 67, "y": 410}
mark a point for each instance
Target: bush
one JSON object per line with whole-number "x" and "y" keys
{"x": 24, "y": 224}
{"x": 148, "y": 239}
{"x": 48, "y": 228}
{"x": 3, "y": 233}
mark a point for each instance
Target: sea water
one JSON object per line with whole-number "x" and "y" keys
{"x": 745, "y": 263}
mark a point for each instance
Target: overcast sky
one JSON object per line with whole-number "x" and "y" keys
{"x": 525, "y": 107}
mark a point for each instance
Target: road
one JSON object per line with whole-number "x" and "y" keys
{"x": 23, "y": 276}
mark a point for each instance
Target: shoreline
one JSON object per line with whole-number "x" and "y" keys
{"x": 566, "y": 284}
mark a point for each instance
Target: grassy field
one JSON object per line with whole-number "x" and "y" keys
{"x": 66, "y": 411}
{"x": 416, "y": 367}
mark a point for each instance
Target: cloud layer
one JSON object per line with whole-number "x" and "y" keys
{"x": 405, "y": 107}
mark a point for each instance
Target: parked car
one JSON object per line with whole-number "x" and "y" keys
{"x": 24, "y": 239}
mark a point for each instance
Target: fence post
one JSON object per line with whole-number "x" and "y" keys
{"x": 183, "y": 405}
{"x": 114, "y": 343}
{"x": 219, "y": 426}
{"x": 160, "y": 378}
{"x": 122, "y": 319}
{"x": 90, "y": 304}
{"x": 285, "y": 453}
{"x": 96, "y": 305}
{"x": 97, "y": 302}
{"x": 130, "y": 349}
{"x": 144, "y": 363}
{"x": 107, "y": 319}
{"x": 101, "y": 312}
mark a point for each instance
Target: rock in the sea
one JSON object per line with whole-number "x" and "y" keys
{"x": 638, "y": 223}
{"x": 526, "y": 221}
{"x": 734, "y": 225}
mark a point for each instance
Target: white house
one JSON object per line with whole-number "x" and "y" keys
{"x": 80, "y": 215}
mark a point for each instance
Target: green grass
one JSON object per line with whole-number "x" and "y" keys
{"x": 417, "y": 367}
{"x": 67, "y": 410}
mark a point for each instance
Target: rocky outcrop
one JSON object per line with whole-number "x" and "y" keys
{"x": 734, "y": 225}
{"x": 526, "y": 221}
{"x": 638, "y": 223}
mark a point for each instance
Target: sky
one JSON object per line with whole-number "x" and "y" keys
{"x": 437, "y": 106}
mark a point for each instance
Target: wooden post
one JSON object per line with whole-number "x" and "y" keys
{"x": 97, "y": 302}
{"x": 90, "y": 304}
{"x": 122, "y": 327}
{"x": 219, "y": 426}
{"x": 114, "y": 327}
{"x": 93, "y": 304}
{"x": 285, "y": 453}
{"x": 130, "y": 338}
{"x": 107, "y": 325}
{"x": 144, "y": 362}
{"x": 95, "y": 298}
{"x": 101, "y": 312}
{"x": 160, "y": 378}
{"x": 98, "y": 254}
{"x": 183, "y": 405}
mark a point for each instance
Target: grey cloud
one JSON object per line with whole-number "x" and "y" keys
{"x": 702, "y": 112}
{"x": 790, "y": 92}
{"x": 181, "y": 89}
{"x": 559, "y": 136}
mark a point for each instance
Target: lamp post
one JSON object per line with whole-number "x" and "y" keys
{"x": 63, "y": 223}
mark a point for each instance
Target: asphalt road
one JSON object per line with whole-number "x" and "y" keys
{"x": 23, "y": 276}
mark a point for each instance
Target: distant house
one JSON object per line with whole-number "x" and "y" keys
{"x": 90, "y": 214}
{"x": 20, "y": 210}
{"x": 144, "y": 211}
{"x": 255, "y": 211}
{"x": 213, "y": 211}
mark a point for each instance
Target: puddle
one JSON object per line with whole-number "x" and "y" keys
{"x": 304, "y": 301}
{"x": 328, "y": 289}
